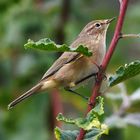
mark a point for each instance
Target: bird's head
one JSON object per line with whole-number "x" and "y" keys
{"x": 96, "y": 27}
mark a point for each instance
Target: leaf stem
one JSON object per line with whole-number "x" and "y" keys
{"x": 106, "y": 60}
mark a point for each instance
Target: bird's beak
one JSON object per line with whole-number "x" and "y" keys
{"x": 110, "y": 20}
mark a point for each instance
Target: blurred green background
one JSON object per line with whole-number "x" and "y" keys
{"x": 61, "y": 20}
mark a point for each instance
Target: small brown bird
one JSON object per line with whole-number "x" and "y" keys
{"x": 72, "y": 68}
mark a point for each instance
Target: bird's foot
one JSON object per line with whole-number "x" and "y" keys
{"x": 90, "y": 104}
{"x": 103, "y": 75}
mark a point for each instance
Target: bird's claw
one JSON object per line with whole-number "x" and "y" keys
{"x": 103, "y": 75}
{"x": 90, "y": 104}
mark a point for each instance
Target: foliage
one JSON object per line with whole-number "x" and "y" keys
{"x": 91, "y": 124}
{"x": 125, "y": 72}
{"x": 49, "y": 45}
{"x": 20, "y": 69}
{"x": 93, "y": 134}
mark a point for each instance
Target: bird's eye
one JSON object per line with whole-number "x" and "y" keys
{"x": 97, "y": 25}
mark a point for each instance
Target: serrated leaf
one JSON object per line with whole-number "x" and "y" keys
{"x": 91, "y": 120}
{"x": 65, "y": 134}
{"x": 49, "y": 45}
{"x": 125, "y": 72}
{"x": 91, "y": 124}
{"x": 60, "y": 117}
{"x": 99, "y": 108}
{"x": 96, "y": 133}
{"x": 93, "y": 134}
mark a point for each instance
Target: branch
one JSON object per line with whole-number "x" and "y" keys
{"x": 116, "y": 37}
{"x": 129, "y": 35}
{"x": 56, "y": 107}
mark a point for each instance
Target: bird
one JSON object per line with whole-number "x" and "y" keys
{"x": 72, "y": 69}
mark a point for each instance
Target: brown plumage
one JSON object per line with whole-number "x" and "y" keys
{"x": 71, "y": 69}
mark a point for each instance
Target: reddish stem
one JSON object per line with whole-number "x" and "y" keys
{"x": 106, "y": 60}
{"x": 56, "y": 107}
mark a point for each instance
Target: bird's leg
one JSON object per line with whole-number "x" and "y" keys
{"x": 91, "y": 104}
{"x": 67, "y": 89}
{"x": 100, "y": 70}
{"x": 78, "y": 82}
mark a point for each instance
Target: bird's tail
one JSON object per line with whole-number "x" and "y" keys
{"x": 39, "y": 87}
{"x": 24, "y": 96}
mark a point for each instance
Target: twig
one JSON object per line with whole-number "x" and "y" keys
{"x": 129, "y": 35}
{"x": 106, "y": 60}
{"x": 56, "y": 107}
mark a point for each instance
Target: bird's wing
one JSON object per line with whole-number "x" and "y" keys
{"x": 65, "y": 58}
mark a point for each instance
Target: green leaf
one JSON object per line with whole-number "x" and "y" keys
{"x": 49, "y": 45}
{"x": 93, "y": 134}
{"x": 125, "y": 72}
{"x": 96, "y": 133}
{"x": 60, "y": 117}
{"x": 91, "y": 124}
{"x": 91, "y": 120}
{"x": 99, "y": 108}
{"x": 65, "y": 134}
